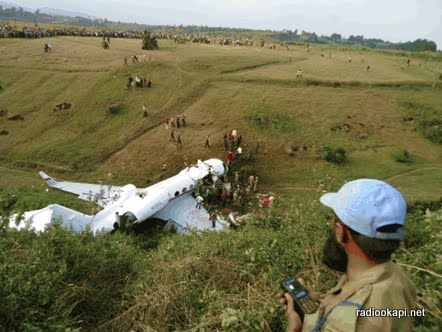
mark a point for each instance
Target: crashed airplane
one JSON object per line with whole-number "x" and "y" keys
{"x": 170, "y": 200}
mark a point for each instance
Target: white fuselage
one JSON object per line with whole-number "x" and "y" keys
{"x": 144, "y": 203}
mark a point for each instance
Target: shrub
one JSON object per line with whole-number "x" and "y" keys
{"x": 402, "y": 156}
{"x": 56, "y": 280}
{"x": 271, "y": 118}
{"x": 430, "y": 125}
{"x": 115, "y": 109}
{"x": 430, "y": 121}
{"x": 334, "y": 155}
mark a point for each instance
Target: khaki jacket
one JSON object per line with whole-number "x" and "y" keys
{"x": 382, "y": 286}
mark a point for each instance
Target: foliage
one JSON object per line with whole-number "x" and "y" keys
{"x": 211, "y": 281}
{"x": 429, "y": 121}
{"x": 269, "y": 117}
{"x": 422, "y": 247}
{"x": 115, "y": 109}
{"x": 402, "y": 156}
{"x": 419, "y": 45}
{"x": 56, "y": 279}
{"x": 430, "y": 124}
{"x": 334, "y": 155}
{"x": 149, "y": 42}
{"x": 25, "y": 199}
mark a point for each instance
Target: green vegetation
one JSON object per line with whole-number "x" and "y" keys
{"x": 270, "y": 118}
{"x": 215, "y": 281}
{"x": 210, "y": 281}
{"x": 115, "y": 109}
{"x": 402, "y": 156}
{"x": 334, "y": 155}
{"x": 429, "y": 120}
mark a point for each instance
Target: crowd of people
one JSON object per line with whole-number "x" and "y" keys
{"x": 233, "y": 192}
{"x": 8, "y": 30}
{"x": 12, "y": 31}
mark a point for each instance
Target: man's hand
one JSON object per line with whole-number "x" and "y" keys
{"x": 294, "y": 320}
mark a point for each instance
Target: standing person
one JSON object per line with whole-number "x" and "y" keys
{"x": 179, "y": 143}
{"x": 365, "y": 230}
{"x": 251, "y": 181}
{"x": 226, "y": 142}
{"x": 224, "y": 198}
{"x": 206, "y": 142}
{"x": 167, "y": 123}
{"x": 232, "y": 144}
{"x": 178, "y": 121}
{"x": 236, "y": 178}
{"x": 199, "y": 201}
{"x": 229, "y": 157}
{"x": 235, "y": 198}
{"x": 129, "y": 82}
{"x": 172, "y": 136}
{"x": 239, "y": 151}
{"x": 183, "y": 120}
{"x": 145, "y": 114}
{"x": 239, "y": 140}
{"x": 213, "y": 218}
{"x": 255, "y": 185}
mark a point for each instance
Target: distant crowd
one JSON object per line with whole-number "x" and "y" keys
{"x": 12, "y": 31}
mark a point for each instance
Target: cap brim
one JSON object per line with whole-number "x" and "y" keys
{"x": 329, "y": 199}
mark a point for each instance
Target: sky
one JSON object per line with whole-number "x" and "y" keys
{"x": 392, "y": 20}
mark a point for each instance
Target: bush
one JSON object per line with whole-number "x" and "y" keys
{"x": 266, "y": 118}
{"x": 149, "y": 42}
{"x": 57, "y": 280}
{"x": 334, "y": 155}
{"x": 430, "y": 120}
{"x": 115, "y": 109}
{"x": 402, "y": 156}
{"x": 430, "y": 125}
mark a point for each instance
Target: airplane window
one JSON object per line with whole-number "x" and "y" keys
{"x": 177, "y": 193}
{"x": 184, "y": 189}
{"x": 191, "y": 186}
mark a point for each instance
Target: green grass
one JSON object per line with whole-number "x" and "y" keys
{"x": 220, "y": 281}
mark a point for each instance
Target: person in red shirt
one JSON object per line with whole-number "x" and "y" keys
{"x": 229, "y": 157}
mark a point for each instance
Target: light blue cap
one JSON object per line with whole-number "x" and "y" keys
{"x": 365, "y": 205}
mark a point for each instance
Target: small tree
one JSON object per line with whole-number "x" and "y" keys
{"x": 149, "y": 42}
{"x": 337, "y": 156}
{"x": 402, "y": 156}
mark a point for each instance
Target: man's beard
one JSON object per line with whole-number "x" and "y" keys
{"x": 334, "y": 255}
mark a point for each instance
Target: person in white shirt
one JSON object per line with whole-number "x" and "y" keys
{"x": 199, "y": 201}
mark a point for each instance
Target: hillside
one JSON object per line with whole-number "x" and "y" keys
{"x": 373, "y": 113}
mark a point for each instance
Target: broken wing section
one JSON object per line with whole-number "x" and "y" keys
{"x": 100, "y": 194}
{"x": 182, "y": 213}
{"x": 73, "y": 220}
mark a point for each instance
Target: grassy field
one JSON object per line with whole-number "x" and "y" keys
{"x": 373, "y": 114}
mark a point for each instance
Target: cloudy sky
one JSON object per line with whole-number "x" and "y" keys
{"x": 393, "y": 20}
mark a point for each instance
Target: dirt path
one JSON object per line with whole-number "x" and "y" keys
{"x": 157, "y": 118}
{"x": 411, "y": 172}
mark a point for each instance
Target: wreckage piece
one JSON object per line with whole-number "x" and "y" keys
{"x": 170, "y": 200}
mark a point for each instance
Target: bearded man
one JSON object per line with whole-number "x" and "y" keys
{"x": 366, "y": 228}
